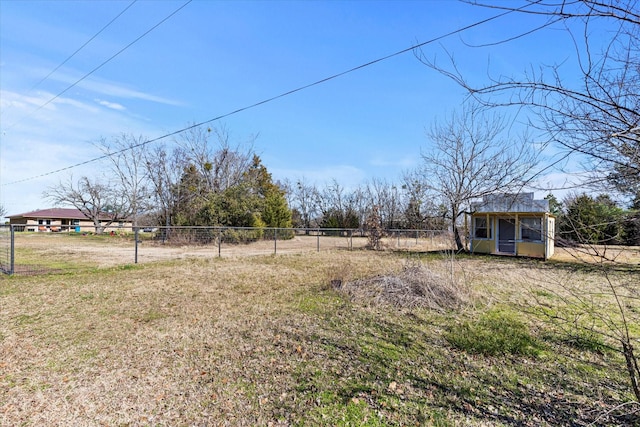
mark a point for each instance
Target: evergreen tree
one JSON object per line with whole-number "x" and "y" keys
{"x": 592, "y": 220}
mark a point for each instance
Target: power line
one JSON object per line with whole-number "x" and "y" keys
{"x": 101, "y": 65}
{"x": 83, "y": 46}
{"x": 265, "y": 101}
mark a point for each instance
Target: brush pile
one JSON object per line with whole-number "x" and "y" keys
{"x": 415, "y": 286}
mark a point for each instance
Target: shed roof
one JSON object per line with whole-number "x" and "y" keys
{"x": 521, "y": 202}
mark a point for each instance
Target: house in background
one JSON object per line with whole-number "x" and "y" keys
{"x": 512, "y": 224}
{"x": 60, "y": 219}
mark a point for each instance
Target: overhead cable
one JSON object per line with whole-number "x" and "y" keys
{"x": 83, "y": 46}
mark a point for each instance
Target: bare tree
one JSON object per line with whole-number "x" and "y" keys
{"x": 386, "y": 196}
{"x": 220, "y": 162}
{"x": 3, "y": 211}
{"x": 163, "y": 169}
{"x": 303, "y": 196}
{"x": 202, "y": 164}
{"x": 96, "y": 199}
{"x": 337, "y": 206}
{"x": 469, "y": 158}
{"x": 421, "y": 209}
{"x": 126, "y": 154}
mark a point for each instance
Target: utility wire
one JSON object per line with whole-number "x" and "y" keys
{"x": 282, "y": 95}
{"x": 102, "y": 64}
{"x": 83, "y": 46}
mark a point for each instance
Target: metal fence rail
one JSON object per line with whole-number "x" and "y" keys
{"x": 67, "y": 249}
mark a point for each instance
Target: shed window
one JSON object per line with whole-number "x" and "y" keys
{"x": 482, "y": 228}
{"x": 531, "y": 229}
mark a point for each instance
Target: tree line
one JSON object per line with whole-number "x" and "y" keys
{"x": 205, "y": 179}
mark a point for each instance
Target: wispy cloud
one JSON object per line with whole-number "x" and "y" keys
{"x": 112, "y": 105}
{"x": 93, "y": 84}
{"x": 117, "y": 90}
{"x": 35, "y": 143}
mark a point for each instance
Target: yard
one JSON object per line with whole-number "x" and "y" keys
{"x": 266, "y": 340}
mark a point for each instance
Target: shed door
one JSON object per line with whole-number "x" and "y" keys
{"x": 507, "y": 235}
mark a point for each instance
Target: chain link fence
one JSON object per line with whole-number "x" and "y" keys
{"x": 47, "y": 252}
{"x": 6, "y": 249}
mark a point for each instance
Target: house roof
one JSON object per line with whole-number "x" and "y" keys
{"x": 62, "y": 213}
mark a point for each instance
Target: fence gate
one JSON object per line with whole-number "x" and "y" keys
{"x": 6, "y": 249}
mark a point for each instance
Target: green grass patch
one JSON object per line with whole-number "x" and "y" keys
{"x": 494, "y": 333}
{"x": 354, "y": 413}
{"x": 543, "y": 293}
{"x": 319, "y": 303}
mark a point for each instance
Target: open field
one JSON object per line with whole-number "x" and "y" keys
{"x": 264, "y": 340}
{"x": 46, "y": 252}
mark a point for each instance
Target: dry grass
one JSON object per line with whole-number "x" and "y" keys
{"x": 262, "y": 341}
{"x": 597, "y": 254}
{"x": 184, "y": 343}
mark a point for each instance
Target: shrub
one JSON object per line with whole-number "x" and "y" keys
{"x": 247, "y": 235}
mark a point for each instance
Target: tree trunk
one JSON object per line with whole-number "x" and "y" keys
{"x": 458, "y": 238}
{"x": 632, "y": 367}
{"x": 454, "y": 228}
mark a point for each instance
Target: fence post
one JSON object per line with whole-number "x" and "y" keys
{"x": 219, "y": 242}
{"x": 13, "y": 251}
{"x": 275, "y": 241}
{"x": 318, "y": 235}
{"x": 350, "y": 240}
{"x": 136, "y": 232}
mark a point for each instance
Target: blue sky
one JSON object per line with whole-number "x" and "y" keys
{"x": 213, "y": 57}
